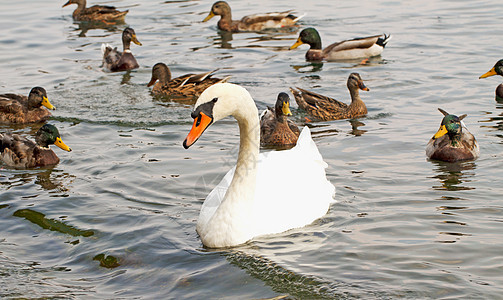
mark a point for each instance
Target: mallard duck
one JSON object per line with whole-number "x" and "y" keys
{"x": 185, "y": 86}
{"x": 250, "y": 200}
{"x": 275, "y": 128}
{"x": 99, "y": 13}
{"x": 452, "y": 142}
{"x": 116, "y": 61}
{"x": 255, "y": 22}
{"x": 21, "y": 109}
{"x": 20, "y": 152}
{"x": 323, "y": 108}
{"x": 496, "y": 70}
{"x": 348, "y": 49}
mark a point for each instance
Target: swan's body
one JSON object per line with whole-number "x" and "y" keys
{"x": 264, "y": 193}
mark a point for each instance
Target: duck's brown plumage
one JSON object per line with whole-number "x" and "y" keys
{"x": 21, "y": 109}
{"x": 100, "y": 13}
{"x": 275, "y": 128}
{"x": 323, "y": 108}
{"x": 20, "y": 152}
{"x": 254, "y": 22}
{"x": 185, "y": 86}
{"x": 116, "y": 61}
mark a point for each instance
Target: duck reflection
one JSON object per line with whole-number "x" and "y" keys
{"x": 308, "y": 67}
{"x": 44, "y": 177}
{"x": 454, "y": 176}
{"x": 223, "y": 39}
{"x": 355, "y": 123}
{"x": 84, "y": 27}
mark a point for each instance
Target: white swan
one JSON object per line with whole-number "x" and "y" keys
{"x": 263, "y": 194}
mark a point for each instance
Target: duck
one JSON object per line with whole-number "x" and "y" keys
{"x": 323, "y": 108}
{"x": 256, "y": 22}
{"x": 116, "y": 61}
{"x": 20, "y": 109}
{"x": 496, "y": 70}
{"x": 363, "y": 47}
{"x": 265, "y": 193}
{"x": 452, "y": 142}
{"x": 185, "y": 86}
{"x": 20, "y": 152}
{"x": 100, "y": 13}
{"x": 275, "y": 128}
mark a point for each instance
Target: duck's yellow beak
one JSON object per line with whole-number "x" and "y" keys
{"x": 286, "y": 109}
{"x": 46, "y": 103}
{"x": 491, "y": 72}
{"x": 209, "y": 16}
{"x": 60, "y": 144}
{"x": 200, "y": 124}
{"x": 135, "y": 40}
{"x": 441, "y": 132}
{"x": 297, "y": 44}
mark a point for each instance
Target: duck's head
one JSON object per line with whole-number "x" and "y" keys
{"x": 355, "y": 82}
{"x": 38, "y": 97}
{"x": 282, "y": 106}
{"x": 161, "y": 72}
{"x": 308, "y": 36}
{"x": 217, "y": 102}
{"x": 219, "y": 8}
{"x": 451, "y": 125}
{"x": 128, "y": 35}
{"x": 48, "y": 135}
{"x": 496, "y": 70}
{"x": 80, "y": 3}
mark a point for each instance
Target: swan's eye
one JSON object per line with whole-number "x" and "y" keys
{"x": 198, "y": 120}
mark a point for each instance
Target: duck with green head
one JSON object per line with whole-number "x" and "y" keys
{"x": 20, "y": 152}
{"x": 275, "y": 128}
{"x": 116, "y": 61}
{"x": 496, "y": 70}
{"x": 452, "y": 142}
{"x": 100, "y": 13}
{"x": 349, "y": 49}
{"x": 256, "y": 22}
{"x": 20, "y": 109}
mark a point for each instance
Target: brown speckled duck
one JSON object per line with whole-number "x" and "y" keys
{"x": 349, "y": 49}
{"x": 275, "y": 128}
{"x": 20, "y": 152}
{"x": 21, "y": 109}
{"x": 185, "y": 86}
{"x": 96, "y": 13}
{"x": 496, "y": 70}
{"x": 452, "y": 142}
{"x": 255, "y": 22}
{"x": 116, "y": 61}
{"x": 323, "y": 108}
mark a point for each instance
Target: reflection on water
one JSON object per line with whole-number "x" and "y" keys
{"x": 355, "y": 123}
{"x": 84, "y": 27}
{"x": 454, "y": 176}
{"x": 309, "y": 67}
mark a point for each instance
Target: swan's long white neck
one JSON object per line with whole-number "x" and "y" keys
{"x": 230, "y": 225}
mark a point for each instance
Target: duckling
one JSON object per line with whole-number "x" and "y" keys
{"x": 116, "y": 61}
{"x": 349, "y": 49}
{"x": 185, "y": 86}
{"x": 100, "y": 13}
{"x": 21, "y": 109}
{"x": 256, "y": 22}
{"x": 20, "y": 152}
{"x": 452, "y": 142}
{"x": 323, "y": 108}
{"x": 275, "y": 128}
{"x": 496, "y": 70}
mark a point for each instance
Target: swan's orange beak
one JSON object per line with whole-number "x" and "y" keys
{"x": 200, "y": 124}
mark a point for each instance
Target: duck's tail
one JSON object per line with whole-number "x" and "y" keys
{"x": 382, "y": 41}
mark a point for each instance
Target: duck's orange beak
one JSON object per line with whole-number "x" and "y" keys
{"x": 362, "y": 86}
{"x": 152, "y": 81}
{"x": 491, "y": 72}
{"x": 200, "y": 124}
{"x": 67, "y": 3}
